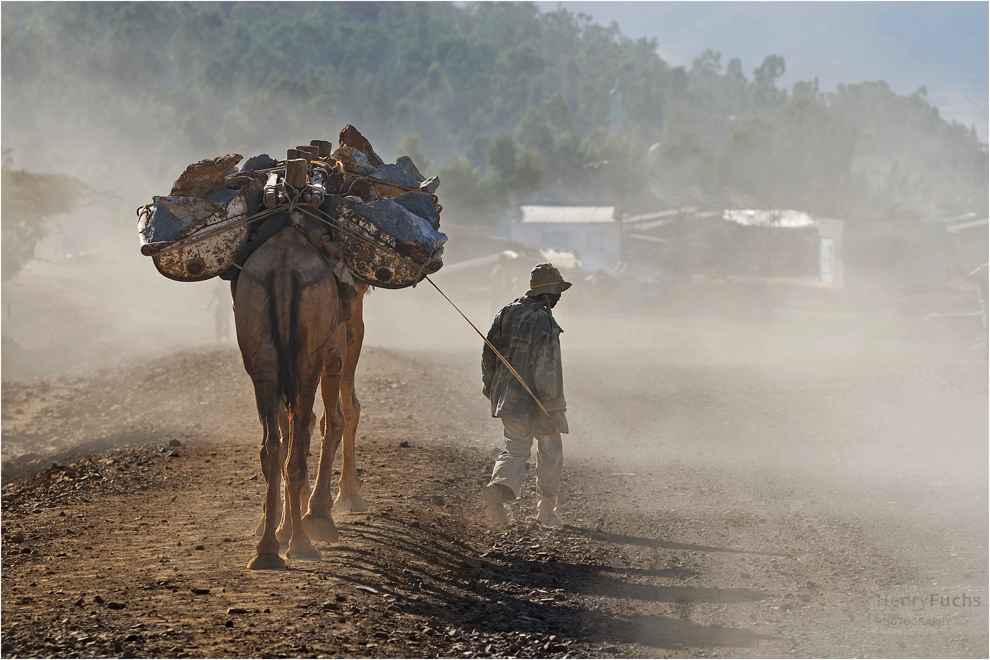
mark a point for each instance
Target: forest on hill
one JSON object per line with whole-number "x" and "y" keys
{"x": 504, "y": 102}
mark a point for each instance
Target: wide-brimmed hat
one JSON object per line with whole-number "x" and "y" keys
{"x": 546, "y": 279}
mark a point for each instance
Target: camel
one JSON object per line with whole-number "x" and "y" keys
{"x": 294, "y": 335}
{"x": 348, "y": 487}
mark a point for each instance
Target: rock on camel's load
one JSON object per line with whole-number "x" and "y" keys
{"x": 379, "y": 221}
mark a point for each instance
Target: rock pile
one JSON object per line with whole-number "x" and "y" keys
{"x": 384, "y": 218}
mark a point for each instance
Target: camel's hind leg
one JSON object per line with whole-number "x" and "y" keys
{"x": 284, "y": 530}
{"x": 318, "y": 521}
{"x": 268, "y": 546}
{"x": 300, "y": 428}
{"x": 349, "y": 495}
{"x": 277, "y": 512}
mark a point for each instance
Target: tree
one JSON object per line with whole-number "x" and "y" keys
{"x": 171, "y": 83}
{"x": 477, "y": 155}
{"x": 28, "y": 201}
{"x": 773, "y": 67}
{"x": 765, "y": 78}
{"x": 734, "y": 70}
{"x": 466, "y": 197}
{"x": 709, "y": 63}
{"x": 502, "y": 155}
{"x": 515, "y": 170}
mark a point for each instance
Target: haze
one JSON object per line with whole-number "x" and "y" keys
{"x": 720, "y": 374}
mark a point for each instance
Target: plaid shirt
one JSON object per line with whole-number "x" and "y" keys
{"x": 528, "y": 337}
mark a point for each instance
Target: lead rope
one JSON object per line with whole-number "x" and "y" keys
{"x": 499, "y": 355}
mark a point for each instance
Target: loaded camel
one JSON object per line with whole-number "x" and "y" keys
{"x": 296, "y": 333}
{"x": 298, "y": 310}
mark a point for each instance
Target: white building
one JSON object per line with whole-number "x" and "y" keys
{"x": 590, "y": 232}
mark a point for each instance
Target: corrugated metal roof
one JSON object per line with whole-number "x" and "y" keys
{"x": 567, "y": 213}
{"x": 955, "y": 229}
{"x": 646, "y": 217}
{"x": 765, "y": 218}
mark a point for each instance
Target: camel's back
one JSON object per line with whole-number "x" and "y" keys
{"x": 285, "y": 278}
{"x": 285, "y": 252}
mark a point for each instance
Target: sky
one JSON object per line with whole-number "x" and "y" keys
{"x": 942, "y": 46}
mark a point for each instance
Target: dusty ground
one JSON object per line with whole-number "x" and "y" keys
{"x": 767, "y": 486}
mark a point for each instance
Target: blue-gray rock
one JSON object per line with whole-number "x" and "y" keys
{"x": 173, "y": 215}
{"x": 394, "y": 174}
{"x": 401, "y": 223}
{"x": 407, "y": 164}
{"x": 262, "y": 162}
{"x": 421, "y": 204}
{"x": 221, "y": 197}
{"x": 163, "y": 225}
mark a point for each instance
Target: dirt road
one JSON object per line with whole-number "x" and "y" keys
{"x": 811, "y": 483}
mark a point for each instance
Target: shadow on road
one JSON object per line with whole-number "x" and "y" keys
{"x": 606, "y": 537}
{"x": 534, "y": 598}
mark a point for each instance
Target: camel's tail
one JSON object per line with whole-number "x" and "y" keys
{"x": 284, "y": 324}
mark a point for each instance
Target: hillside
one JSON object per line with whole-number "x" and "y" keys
{"x": 506, "y": 102}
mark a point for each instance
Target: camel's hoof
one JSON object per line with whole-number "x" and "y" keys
{"x": 267, "y": 563}
{"x": 320, "y": 528}
{"x": 259, "y": 531}
{"x": 303, "y": 551}
{"x": 283, "y": 534}
{"x": 351, "y": 503}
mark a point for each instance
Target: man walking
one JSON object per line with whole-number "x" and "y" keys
{"x": 527, "y": 336}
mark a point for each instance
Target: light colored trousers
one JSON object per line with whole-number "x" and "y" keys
{"x": 510, "y": 466}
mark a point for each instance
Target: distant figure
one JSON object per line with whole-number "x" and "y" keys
{"x": 980, "y": 276}
{"x": 527, "y": 336}
{"x": 221, "y": 312}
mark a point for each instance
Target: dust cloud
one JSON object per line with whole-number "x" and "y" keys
{"x": 841, "y": 389}
{"x": 757, "y": 398}
{"x": 91, "y": 300}
{"x": 824, "y": 404}
{"x": 837, "y": 404}
{"x": 844, "y": 387}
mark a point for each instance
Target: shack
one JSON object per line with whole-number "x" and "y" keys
{"x": 592, "y": 233}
